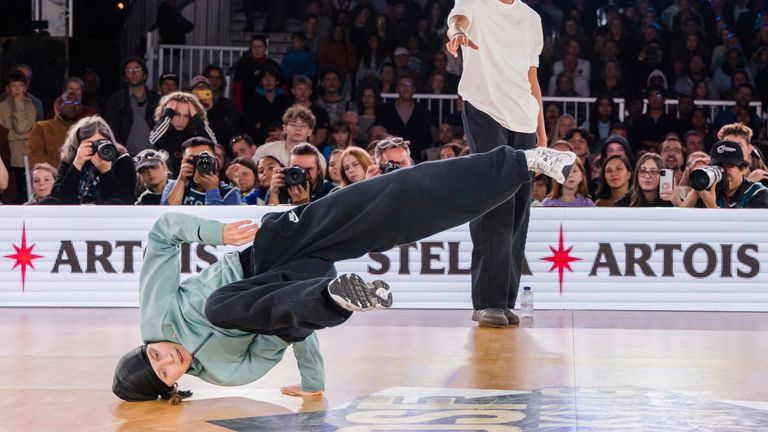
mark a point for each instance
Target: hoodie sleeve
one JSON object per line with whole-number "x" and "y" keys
{"x": 160, "y": 277}
{"x": 310, "y": 361}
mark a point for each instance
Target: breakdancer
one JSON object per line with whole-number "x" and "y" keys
{"x": 231, "y": 323}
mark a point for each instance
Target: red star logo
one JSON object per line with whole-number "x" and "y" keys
{"x": 561, "y": 259}
{"x": 23, "y": 256}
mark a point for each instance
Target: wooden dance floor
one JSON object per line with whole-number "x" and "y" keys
{"x": 410, "y": 370}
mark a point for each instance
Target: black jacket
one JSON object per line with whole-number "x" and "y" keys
{"x": 116, "y": 186}
{"x": 165, "y": 137}
{"x": 119, "y": 115}
{"x": 418, "y": 129}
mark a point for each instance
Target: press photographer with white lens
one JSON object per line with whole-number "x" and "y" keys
{"x": 93, "y": 169}
{"x": 198, "y": 182}
{"x": 723, "y": 183}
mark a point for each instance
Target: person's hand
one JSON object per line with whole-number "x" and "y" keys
{"x": 192, "y": 110}
{"x": 372, "y": 171}
{"x": 209, "y": 181}
{"x": 457, "y": 40}
{"x": 83, "y": 155}
{"x": 299, "y": 194}
{"x": 172, "y": 104}
{"x": 709, "y": 196}
{"x": 18, "y": 94}
{"x": 757, "y": 176}
{"x": 673, "y": 196}
{"x": 100, "y": 164}
{"x": 187, "y": 170}
{"x": 239, "y": 233}
{"x": 233, "y": 172}
{"x": 296, "y": 390}
{"x": 278, "y": 181}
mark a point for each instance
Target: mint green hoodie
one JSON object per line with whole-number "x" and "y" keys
{"x": 175, "y": 311}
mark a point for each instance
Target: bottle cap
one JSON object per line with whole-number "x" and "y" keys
{"x": 527, "y": 289}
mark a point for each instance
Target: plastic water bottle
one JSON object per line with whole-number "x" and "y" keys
{"x": 526, "y": 303}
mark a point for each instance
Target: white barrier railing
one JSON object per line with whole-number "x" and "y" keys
{"x": 579, "y": 107}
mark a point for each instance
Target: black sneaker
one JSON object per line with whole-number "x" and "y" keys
{"x": 352, "y": 293}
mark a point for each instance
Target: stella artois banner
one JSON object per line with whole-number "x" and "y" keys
{"x": 641, "y": 259}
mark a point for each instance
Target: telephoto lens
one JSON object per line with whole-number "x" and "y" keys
{"x": 705, "y": 177}
{"x": 106, "y": 150}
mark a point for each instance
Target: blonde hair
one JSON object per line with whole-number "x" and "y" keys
{"x": 362, "y": 157}
{"x": 72, "y": 142}
{"x": 45, "y": 167}
{"x": 184, "y": 97}
{"x": 737, "y": 129}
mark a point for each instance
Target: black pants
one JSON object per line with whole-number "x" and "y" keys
{"x": 498, "y": 236}
{"x": 292, "y": 258}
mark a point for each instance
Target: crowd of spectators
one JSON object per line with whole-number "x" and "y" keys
{"x": 320, "y": 109}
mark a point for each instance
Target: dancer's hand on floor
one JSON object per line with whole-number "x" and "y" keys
{"x": 296, "y": 390}
{"x": 239, "y": 233}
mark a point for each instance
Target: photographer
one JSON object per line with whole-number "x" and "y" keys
{"x": 198, "y": 182}
{"x": 723, "y": 183}
{"x": 179, "y": 117}
{"x": 303, "y": 181}
{"x": 391, "y": 153}
{"x": 93, "y": 169}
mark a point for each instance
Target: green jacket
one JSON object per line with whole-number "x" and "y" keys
{"x": 175, "y": 311}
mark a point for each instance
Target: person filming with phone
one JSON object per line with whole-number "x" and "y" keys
{"x": 723, "y": 183}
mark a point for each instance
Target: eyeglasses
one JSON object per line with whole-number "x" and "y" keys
{"x": 407, "y": 84}
{"x": 69, "y": 102}
{"x": 388, "y": 143}
{"x": 133, "y": 70}
{"x": 647, "y": 173}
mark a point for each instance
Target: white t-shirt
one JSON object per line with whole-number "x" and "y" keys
{"x": 276, "y": 149}
{"x": 495, "y": 77}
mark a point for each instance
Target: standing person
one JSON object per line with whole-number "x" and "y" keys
{"x": 501, "y": 41}
{"x": 129, "y": 112}
{"x": 17, "y": 114}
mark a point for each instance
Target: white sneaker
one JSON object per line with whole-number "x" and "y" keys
{"x": 352, "y": 293}
{"x": 550, "y": 162}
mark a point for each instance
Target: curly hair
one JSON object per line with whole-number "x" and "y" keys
{"x": 179, "y": 96}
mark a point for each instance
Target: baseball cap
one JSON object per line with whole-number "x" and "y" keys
{"x": 149, "y": 157}
{"x": 199, "y": 79}
{"x": 401, "y": 51}
{"x": 726, "y": 153}
{"x": 169, "y": 76}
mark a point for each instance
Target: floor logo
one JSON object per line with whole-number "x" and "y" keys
{"x": 23, "y": 256}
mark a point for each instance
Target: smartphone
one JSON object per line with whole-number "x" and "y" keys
{"x": 666, "y": 180}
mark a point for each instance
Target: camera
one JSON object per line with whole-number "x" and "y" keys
{"x": 389, "y": 167}
{"x": 204, "y": 163}
{"x": 295, "y": 176}
{"x": 106, "y": 150}
{"x": 705, "y": 177}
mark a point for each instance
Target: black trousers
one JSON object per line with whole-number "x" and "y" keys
{"x": 292, "y": 258}
{"x": 498, "y": 236}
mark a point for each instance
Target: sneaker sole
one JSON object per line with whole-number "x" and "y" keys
{"x": 352, "y": 293}
{"x": 488, "y": 323}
